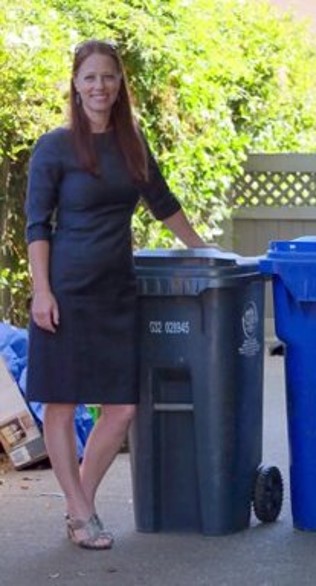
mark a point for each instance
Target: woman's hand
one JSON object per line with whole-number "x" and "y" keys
{"x": 45, "y": 311}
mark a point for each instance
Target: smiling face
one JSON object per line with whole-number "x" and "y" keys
{"x": 98, "y": 83}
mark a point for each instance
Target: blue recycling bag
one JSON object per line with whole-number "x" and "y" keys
{"x": 13, "y": 348}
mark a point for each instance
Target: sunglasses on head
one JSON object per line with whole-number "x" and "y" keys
{"x": 108, "y": 43}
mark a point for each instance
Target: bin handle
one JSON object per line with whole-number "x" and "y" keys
{"x": 173, "y": 407}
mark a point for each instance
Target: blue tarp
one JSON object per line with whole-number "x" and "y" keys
{"x": 13, "y": 348}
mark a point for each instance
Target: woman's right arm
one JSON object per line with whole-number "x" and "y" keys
{"x": 42, "y": 198}
{"x": 44, "y": 306}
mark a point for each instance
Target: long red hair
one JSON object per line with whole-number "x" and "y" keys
{"x": 122, "y": 121}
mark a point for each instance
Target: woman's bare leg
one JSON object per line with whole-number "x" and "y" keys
{"x": 103, "y": 444}
{"x": 60, "y": 442}
{"x": 59, "y": 435}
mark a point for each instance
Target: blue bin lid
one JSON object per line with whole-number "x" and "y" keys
{"x": 292, "y": 249}
{"x": 294, "y": 261}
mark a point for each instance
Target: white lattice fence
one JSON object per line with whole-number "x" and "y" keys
{"x": 277, "y": 180}
{"x": 275, "y": 199}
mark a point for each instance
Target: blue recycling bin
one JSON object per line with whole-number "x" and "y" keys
{"x": 292, "y": 265}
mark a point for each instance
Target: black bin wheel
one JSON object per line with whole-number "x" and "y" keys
{"x": 268, "y": 493}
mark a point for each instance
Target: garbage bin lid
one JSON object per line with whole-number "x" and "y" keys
{"x": 204, "y": 256}
{"x": 192, "y": 256}
{"x": 192, "y": 270}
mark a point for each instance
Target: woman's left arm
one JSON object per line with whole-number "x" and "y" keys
{"x": 166, "y": 208}
{"x": 181, "y": 227}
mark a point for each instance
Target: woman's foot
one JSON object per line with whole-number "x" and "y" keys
{"x": 88, "y": 534}
{"x": 94, "y": 516}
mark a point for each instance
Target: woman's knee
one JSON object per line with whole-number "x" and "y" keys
{"x": 123, "y": 414}
{"x": 129, "y": 412}
{"x": 59, "y": 413}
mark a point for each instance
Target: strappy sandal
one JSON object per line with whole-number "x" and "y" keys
{"x": 93, "y": 530}
{"x": 98, "y": 522}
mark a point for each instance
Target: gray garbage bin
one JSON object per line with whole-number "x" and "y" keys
{"x": 196, "y": 443}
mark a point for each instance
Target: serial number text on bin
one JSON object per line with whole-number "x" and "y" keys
{"x": 169, "y": 327}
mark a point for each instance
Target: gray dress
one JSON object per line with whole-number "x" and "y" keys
{"x": 92, "y": 358}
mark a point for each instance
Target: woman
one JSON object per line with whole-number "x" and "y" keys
{"x": 84, "y": 184}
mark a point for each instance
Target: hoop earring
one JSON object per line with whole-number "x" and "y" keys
{"x": 78, "y": 99}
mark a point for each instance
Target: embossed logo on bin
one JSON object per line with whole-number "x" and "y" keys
{"x": 249, "y": 321}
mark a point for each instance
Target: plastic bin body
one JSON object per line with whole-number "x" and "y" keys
{"x": 196, "y": 442}
{"x": 293, "y": 266}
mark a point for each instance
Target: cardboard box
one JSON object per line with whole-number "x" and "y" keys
{"x": 19, "y": 433}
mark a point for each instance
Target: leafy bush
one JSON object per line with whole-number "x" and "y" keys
{"x": 211, "y": 79}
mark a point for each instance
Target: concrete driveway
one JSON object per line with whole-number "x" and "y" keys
{"x": 35, "y": 551}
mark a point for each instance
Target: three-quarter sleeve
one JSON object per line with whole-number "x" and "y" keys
{"x": 42, "y": 188}
{"x": 156, "y": 193}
